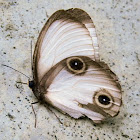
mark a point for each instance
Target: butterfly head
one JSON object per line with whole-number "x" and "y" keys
{"x": 31, "y": 84}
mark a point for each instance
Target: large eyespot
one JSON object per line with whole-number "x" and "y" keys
{"x": 76, "y": 65}
{"x": 103, "y": 99}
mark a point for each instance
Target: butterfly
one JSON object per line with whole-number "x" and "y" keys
{"x": 67, "y": 71}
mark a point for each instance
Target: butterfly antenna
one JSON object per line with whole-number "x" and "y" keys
{"x": 31, "y": 59}
{"x": 16, "y": 70}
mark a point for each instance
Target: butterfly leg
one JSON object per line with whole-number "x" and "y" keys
{"x": 46, "y": 105}
{"x": 34, "y": 112}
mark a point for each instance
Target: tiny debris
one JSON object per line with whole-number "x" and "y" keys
{"x": 125, "y": 136}
{"x": 10, "y": 116}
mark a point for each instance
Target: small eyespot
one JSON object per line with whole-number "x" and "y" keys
{"x": 76, "y": 65}
{"x": 103, "y": 99}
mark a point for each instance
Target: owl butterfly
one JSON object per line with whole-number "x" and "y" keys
{"x": 67, "y": 72}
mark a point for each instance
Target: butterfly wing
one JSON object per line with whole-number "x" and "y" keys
{"x": 67, "y": 70}
{"x": 66, "y": 33}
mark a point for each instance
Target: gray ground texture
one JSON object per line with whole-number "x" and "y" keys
{"x": 118, "y": 29}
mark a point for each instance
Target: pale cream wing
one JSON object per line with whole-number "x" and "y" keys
{"x": 67, "y": 33}
{"x": 67, "y": 70}
{"x": 84, "y": 94}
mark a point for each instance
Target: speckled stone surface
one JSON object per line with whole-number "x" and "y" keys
{"x": 118, "y": 28}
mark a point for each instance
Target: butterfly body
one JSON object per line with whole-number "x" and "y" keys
{"x": 67, "y": 72}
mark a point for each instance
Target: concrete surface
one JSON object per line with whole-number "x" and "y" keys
{"x": 118, "y": 28}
